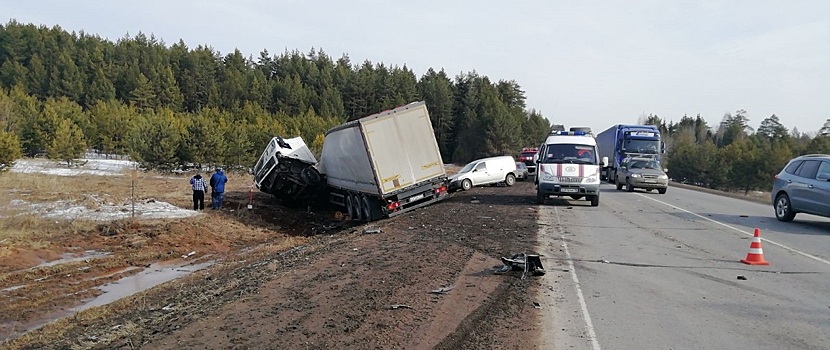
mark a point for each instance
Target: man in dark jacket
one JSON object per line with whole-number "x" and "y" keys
{"x": 217, "y": 185}
{"x": 199, "y": 186}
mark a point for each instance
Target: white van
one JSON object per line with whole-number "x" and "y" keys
{"x": 485, "y": 171}
{"x": 569, "y": 165}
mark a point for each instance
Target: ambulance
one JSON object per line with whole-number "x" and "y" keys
{"x": 569, "y": 165}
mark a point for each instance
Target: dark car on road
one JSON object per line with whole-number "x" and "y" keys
{"x": 803, "y": 186}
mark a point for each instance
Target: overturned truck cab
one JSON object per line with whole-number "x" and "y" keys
{"x": 373, "y": 167}
{"x": 287, "y": 170}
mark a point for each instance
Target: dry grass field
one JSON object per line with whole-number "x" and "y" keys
{"x": 63, "y": 237}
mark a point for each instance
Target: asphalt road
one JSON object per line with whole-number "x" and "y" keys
{"x": 650, "y": 271}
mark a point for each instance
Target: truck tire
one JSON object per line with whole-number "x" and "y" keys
{"x": 510, "y": 180}
{"x": 595, "y": 201}
{"x": 366, "y": 207}
{"x": 358, "y": 207}
{"x": 310, "y": 175}
{"x": 350, "y": 207}
{"x": 662, "y": 190}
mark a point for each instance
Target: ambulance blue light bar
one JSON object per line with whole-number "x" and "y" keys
{"x": 573, "y": 133}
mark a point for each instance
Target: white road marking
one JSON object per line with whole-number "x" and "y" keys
{"x": 592, "y": 335}
{"x": 739, "y": 230}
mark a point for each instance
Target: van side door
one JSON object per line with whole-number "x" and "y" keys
{"x": 479, "y": 174}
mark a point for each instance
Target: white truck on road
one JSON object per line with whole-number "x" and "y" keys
{"x": 374, "y": 167}
{"x": 569, "y": 165}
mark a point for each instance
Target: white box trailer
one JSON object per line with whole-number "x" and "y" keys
{"x": 384, "y": 164}
{"x": 374, "y": 167}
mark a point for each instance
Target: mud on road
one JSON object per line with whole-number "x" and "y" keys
{"x": 426, "y": 280}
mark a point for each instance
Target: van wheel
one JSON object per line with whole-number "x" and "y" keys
{"x": 595, "y": 201}
{"x": 540, "y": 197}
{"x": 662, "y": 190}
{"x": 510, "y": 180}
{"x": 466, "y": 185}
{"x": 783, "y": 208}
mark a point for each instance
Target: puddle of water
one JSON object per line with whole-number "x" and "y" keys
{"x": 152, "y": 276}
{"x": 69, "y": 258}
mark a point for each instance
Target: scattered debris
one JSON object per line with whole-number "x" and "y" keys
{"x": 372, "y": 230}
{"x": 605, "y": 261}
{"x": 401, "y": 306}
{"x": 523, "y": 262}
{"x": 169, "y": 307}
{"x": 475, "y": 201}
{"x": 188, "y": 255}
{"x": 536, "y": 305}
{"x": 742, "y": 277}
{"x": 442, "y": 290}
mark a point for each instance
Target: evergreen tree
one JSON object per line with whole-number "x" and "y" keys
{"x": 100, "y": 88}
{"x": 10, "y": 150}
{"x": 771, "y": 128}
{"x": 37, "y": 80}
{"x": 156, "y": 139}
{"x": 825, "y": 129}
{"x": 65, "y": 79}
{"x": 12, "y": 73}
{"x": 68, "y": 142}
{"x": 437, "y": 91}
{"x": 143, "y": 96}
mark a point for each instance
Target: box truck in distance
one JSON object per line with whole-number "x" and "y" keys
{"x": 373, "y": 167}
{"x": 622, "y": 141}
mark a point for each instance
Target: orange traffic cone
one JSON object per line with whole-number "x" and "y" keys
{"x": 756, "y": 253}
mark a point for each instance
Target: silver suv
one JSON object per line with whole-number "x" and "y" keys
{"x": 802, "y": 187}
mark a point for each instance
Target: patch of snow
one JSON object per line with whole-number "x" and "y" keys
{"x": 150, "y": 209}
{"x": 104, "y": 167}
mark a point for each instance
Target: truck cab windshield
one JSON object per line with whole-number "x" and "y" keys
{"x": 569, "y": 153}
{"x": 641, "y": 146}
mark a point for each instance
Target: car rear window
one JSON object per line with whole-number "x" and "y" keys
{"x": 809, "y": 169}
{"x": 790, "y": 169}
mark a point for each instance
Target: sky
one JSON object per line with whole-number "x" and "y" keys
{"x": 580, "y": 63}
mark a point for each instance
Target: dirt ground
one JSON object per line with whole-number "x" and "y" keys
{"x": 287, "y": 279}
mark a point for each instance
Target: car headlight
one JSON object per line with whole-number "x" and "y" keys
{"x": 636, "y": 175}
{"x": 548, "y": 177}
{"x": 663, "y": 177}
{"x": 592, "y": 179}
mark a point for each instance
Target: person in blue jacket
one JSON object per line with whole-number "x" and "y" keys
{"x": 217, "y": 187}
